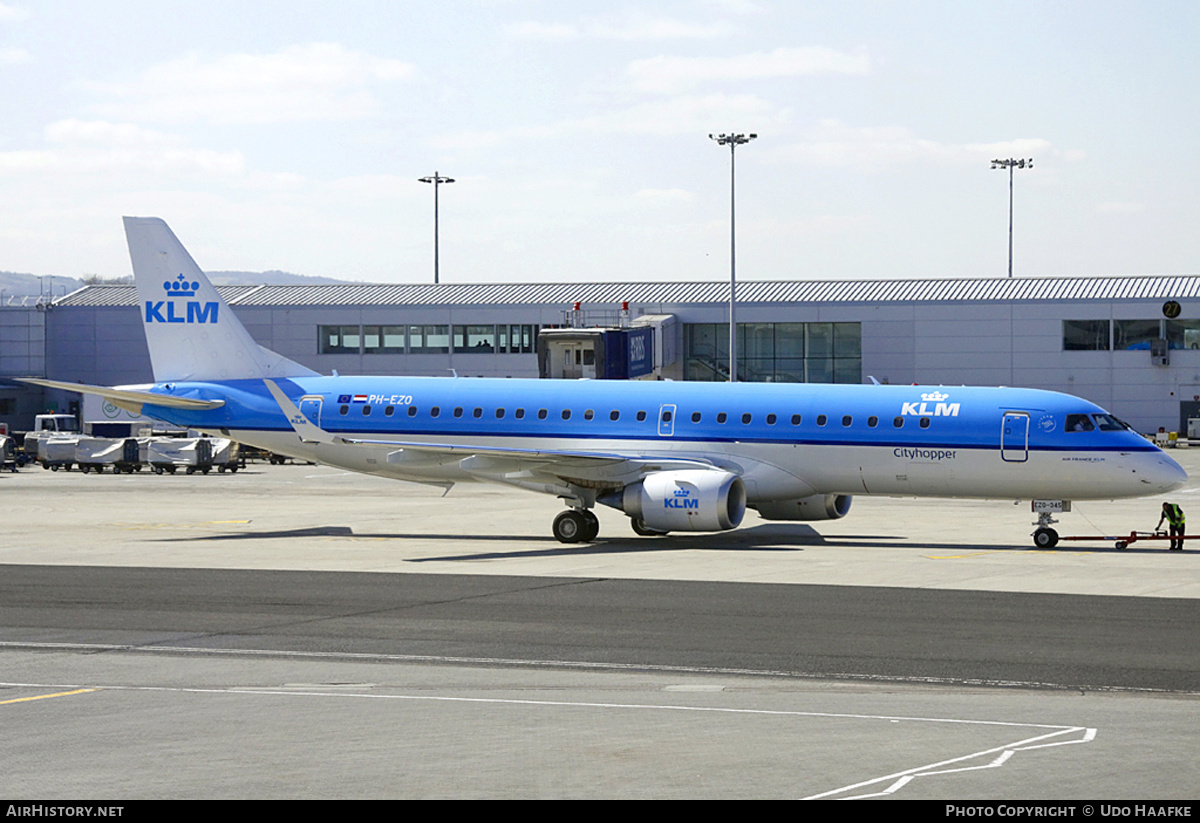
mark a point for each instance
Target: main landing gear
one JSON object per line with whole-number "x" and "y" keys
{"x": 582, "y": 526}
{"x": 576, "y": 526}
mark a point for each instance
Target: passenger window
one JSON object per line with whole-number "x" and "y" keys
{"x": 925, "y": 422}
{"x": 434, "y": 411}
{"x": 898, "y": 422}
{"x": 519, "y": 414}
{"x": 795, "y": 420}
{"x": 872, "y": 421}
{"x": 499, "y": 414}
{"x": 542, "y": 413}
{"x": 478, "y": 413}
{"x": 721, "y": 417}
{"x": 566, "y": 414}
{"x": 614, "y": 415}
{"x": 366, "y": 411}
{"x": 821, "y": 419}
{"x": 389, "y": 410}
{"x": 458, "y": 411}
{"x": 745, "y": 419}
{"x": 847, "y": 420}
{"x": 343, "y": 409}
{"x": 770, "y": 420}
{"x": 641, "y": 415}
{"x": 696, "y": 417}
{"x": 589, "y": 414}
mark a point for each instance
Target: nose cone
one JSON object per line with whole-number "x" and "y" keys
{"x": 1159, "y": 473}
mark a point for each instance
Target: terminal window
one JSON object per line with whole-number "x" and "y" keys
{"x": 1086, "y": 335}
{"x": 776, "y": 352}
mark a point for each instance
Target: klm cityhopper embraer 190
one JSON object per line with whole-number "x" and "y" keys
{"x": 674, "y": 456}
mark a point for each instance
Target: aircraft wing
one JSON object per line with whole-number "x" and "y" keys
{"x": 501, "y": 463}
{"x": 131, "y": 400}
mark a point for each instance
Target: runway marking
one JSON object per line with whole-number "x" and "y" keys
{"x": 45, "y": 696}
{"x": 902, "y": 779}
{"x": 899, "y": 779}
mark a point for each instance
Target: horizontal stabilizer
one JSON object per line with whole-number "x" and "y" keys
{"x": 131, "y": 400}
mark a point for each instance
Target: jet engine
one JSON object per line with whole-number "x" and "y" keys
{"x": 700, "y": 500}
{"x": 813, "y": 507}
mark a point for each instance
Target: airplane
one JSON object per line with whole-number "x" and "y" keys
{"x": 673, "y": 456}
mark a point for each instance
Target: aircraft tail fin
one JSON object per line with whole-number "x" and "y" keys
{"x": 191, "y": 333}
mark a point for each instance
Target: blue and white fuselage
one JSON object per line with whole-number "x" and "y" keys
{"x": 784, "y": 441}
{"x": 674, "y": 456}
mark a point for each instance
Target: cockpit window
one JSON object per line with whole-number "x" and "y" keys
{"x": 1108, "y": 423}
{"x": 1079, "y": 423}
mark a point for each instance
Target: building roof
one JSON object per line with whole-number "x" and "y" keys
{"x": 1021, "y": 289}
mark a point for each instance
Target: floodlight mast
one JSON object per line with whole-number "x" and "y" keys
{"x": 436, "y": 179}
{"x": 733, "y": 141}
{"x": 1011, "y": 164}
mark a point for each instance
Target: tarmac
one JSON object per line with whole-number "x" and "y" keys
{"x": 298, "y": 631}
{"x": 305, "y": 517}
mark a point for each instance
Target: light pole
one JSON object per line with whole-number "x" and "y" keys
{"x": 733, "y": 141}
{"x": 436, "y": 180}
{"x": 1011, "y": 164}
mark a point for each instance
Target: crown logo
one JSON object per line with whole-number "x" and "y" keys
{"x": 934, "y": 396}
{"x": 180, "y": 287}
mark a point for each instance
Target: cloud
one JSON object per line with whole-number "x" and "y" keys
{"x": 634, "y": 26}
{"x": 94, "y": 147}
{"x": 832, "y": 143}
{"x": 10, "y": 14}
{"x": 666, "y": 75}
{"x": 317, "y": 81}
{"x": 686, "y": 114}
{"x": 9, "y": 56}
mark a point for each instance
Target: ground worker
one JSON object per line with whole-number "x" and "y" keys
{"x": 1174, "y": 516}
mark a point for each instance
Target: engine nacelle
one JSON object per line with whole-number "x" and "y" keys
{"x": 813, "y": 507}
{"x": 698, "y": 500}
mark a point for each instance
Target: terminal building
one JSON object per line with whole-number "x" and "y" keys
{"x": 1130, "y": 344}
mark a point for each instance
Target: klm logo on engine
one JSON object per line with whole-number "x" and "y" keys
{"x": 682, "y": 500}
{"x": 932, "y": 405}
{"x": 172, "y": 310}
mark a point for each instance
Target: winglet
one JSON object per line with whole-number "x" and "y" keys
{"x": 309, "y": 431}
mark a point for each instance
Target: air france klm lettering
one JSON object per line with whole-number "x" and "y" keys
{"x": 673, "y": 456}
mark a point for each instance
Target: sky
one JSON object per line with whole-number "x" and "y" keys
{"x": 291, "y": 135}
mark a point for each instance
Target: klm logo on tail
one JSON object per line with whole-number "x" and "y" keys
{"x": 172, "y": 311}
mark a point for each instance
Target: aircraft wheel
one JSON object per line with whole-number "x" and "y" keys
{"x": 1045, "y": 538}
{"x": 593, "y": 526}
{"x": 571, "y": 526}
{"x": 640, "y": 527}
